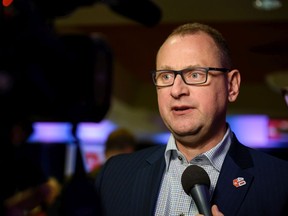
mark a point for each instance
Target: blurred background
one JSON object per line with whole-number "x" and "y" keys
{"x": 79, "y": 69}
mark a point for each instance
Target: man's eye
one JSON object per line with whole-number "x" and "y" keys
{"x": 167, "y": 76}
{"x": 195, "y": 75}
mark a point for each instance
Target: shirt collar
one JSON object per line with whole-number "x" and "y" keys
{"x": 216, "y": 155}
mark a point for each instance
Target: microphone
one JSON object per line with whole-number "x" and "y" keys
{"x": 196, "y": 182}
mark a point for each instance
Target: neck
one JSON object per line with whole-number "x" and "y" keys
{"x": 193, "y": 146}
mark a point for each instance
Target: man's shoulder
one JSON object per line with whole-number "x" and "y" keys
{"x": 265, "y": 157}
{"x": 245, "y": 154}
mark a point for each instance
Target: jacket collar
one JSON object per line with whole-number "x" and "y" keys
{"x": 150, "y": 177}
{"x": 234, "y": 180}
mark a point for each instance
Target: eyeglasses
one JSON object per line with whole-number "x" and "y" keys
{"x": 191, "y": 76}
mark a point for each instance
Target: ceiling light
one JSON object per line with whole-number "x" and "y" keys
{"x": 267, "y": 4}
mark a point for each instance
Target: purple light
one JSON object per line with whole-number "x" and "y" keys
{"x": 95, "y": 132}
{"x": 52, "y": 132}
{"x": 161, "y": 138}
{"x": 58, "y": 132}
{"x": 251, "y": 130}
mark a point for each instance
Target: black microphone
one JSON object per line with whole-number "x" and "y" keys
{"x": 196, "y": 182}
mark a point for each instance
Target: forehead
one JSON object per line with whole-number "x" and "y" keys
{"x": 184, "y": 48}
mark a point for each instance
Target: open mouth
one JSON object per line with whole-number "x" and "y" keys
{"x": 180, "y": 108}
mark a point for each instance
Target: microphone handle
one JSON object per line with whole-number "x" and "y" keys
{"x": 200, "y": 195}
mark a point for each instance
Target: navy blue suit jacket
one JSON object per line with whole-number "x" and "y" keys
{"x": 128, "y": 185}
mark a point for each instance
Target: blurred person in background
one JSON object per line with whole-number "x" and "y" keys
{"x": 119, "y": 141}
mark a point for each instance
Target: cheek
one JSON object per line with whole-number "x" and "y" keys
{"x": 220, "y": 100}
{"x": 162, "y": 101}
{"x": 213, "y": 99}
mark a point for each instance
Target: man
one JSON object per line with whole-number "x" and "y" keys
{"x": 195, "y": 81}
{"x": 119, "y": 141}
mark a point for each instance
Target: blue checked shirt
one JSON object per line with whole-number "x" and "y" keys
{"x": 172, "y": 200}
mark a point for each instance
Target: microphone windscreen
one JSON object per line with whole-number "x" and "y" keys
{"x": 193, "y": 175}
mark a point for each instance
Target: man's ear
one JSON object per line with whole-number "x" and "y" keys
{"x": 234, "y": 80}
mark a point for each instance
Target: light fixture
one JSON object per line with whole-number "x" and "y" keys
{"x": 267, "y": 4}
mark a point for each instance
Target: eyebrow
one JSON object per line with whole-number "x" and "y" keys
{"x": 167, "y": 67}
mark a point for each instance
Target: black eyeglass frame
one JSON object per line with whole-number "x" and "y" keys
{"x": 180, "y": 72}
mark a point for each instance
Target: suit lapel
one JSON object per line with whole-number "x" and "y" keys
{"x": 234, "y": 180}
{"x": 150, "y": 176}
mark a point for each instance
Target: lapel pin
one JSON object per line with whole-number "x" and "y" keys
{"x": 238, "y": 182}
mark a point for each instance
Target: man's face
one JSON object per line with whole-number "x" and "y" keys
{"x": 193, "y": 112}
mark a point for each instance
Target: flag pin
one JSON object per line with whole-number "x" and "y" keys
{"x": 238, "y": 182}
